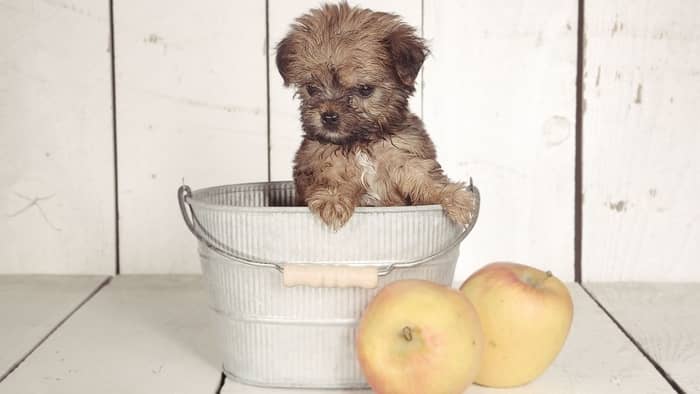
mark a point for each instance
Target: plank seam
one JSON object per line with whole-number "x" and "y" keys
{"x": 578, "y": 155}
{"x": 639, "y": 347}
{"x": 117, "y": 263}
{"x": 222, "y": 382}
{"x": 16, "y": 365}
{"x": 267, "y": 88}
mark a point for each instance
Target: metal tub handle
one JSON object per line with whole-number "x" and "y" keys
{"x": 317, "y": 275}
{"x": 324, "y": 275}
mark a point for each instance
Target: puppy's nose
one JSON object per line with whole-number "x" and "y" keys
{"x": 329, "y": 118}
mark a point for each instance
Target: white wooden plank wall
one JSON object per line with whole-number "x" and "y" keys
{"x": 56, "y": 152}
{"x": 499, "y": 102}
{"x": 285, "y": 126}
{"x": 191, "y": 104}
{"x": 498, "y": 99}
{"x": 640, "y": 145}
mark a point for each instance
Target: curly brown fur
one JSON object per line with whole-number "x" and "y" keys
{"x": 354, "y": 70}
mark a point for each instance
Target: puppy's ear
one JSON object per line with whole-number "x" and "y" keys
{"x": 407, "y": 51}
{"x": 285, "y": 51}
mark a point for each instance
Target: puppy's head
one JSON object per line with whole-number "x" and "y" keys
{"x": 354, "y": 70}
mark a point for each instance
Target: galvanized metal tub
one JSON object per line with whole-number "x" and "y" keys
{"x": 287, "y": 291}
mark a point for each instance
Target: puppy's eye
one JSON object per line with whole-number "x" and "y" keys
{"x": 312, "y": 90}
{"x": 365, "y": 90}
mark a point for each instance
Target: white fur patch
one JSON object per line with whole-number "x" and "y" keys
{"x": 368, "y": 179}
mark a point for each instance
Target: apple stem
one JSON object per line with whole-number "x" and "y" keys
{"x": 538, "y": 282}
{"x": 407, "y": 334}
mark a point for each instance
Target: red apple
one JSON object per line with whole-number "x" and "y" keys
{"x": 419, "y": 337}
{"x": 525, "y": 314}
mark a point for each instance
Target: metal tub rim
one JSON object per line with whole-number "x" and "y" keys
{"x": 196, "y": 201}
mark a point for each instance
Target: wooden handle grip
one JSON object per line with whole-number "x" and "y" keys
{"x": 329, "y": 276}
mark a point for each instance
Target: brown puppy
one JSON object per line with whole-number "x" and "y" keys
{"x": 354, "y": 70}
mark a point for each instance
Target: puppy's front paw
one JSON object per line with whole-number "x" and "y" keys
{"x": 459, "y": 204}
{"x": 334, "y": 209}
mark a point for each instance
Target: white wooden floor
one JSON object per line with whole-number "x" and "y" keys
{"x": 151, "y": 334}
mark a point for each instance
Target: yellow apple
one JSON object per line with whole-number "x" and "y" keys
{"x": 525, "y": 314}
{"x": 419, "y": 337}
